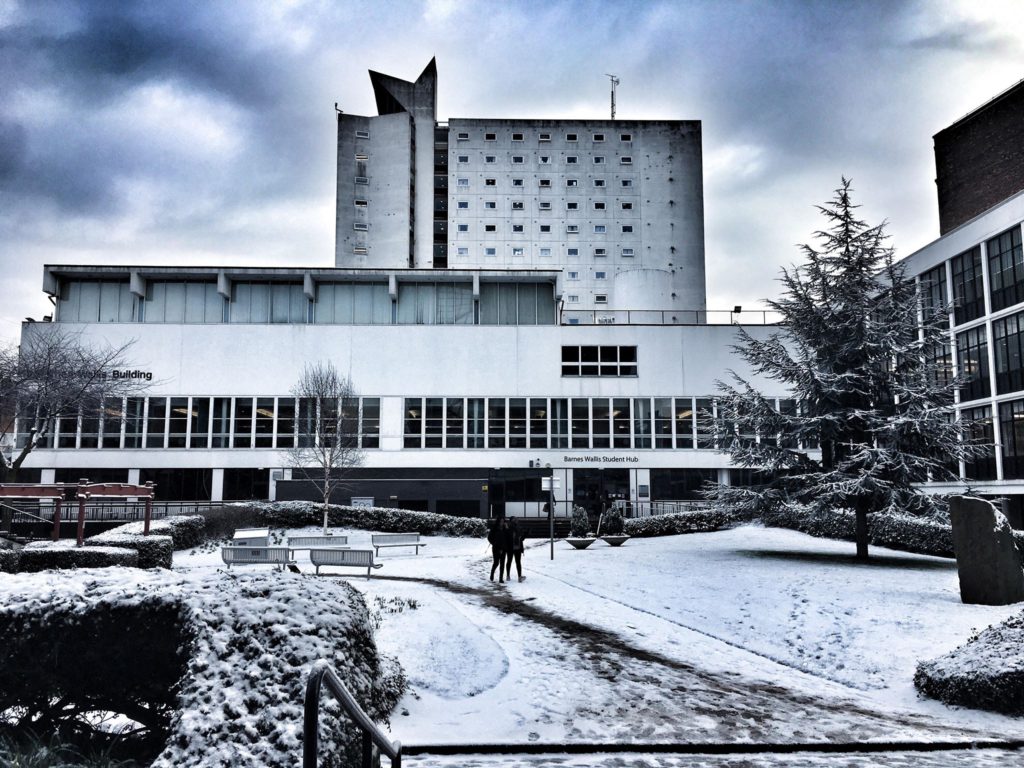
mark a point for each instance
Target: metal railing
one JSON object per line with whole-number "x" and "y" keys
{"x": 654, "y": 508}
{"x": 668, "y": 317}
{"x": 372, "y": 735}
{"x": 116, "y": 510}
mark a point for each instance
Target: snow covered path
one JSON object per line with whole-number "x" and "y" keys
{"x": 749, "y": 635}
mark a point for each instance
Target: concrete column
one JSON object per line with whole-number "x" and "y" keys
{"x": 48, "y": 476}
{"x": 217, "y": 485}
{"x": 133, "y": 477}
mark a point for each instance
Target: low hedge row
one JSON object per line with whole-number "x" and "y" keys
{"x": 984, "y": 673}
{"x": 698, "y": 521}
{"x": 45, "y": 556}
{"x": 908, "y": 534}
{"x": 9, "y": 559}
{"x": 154, "y": 551}
{"x": 298, "y": 514}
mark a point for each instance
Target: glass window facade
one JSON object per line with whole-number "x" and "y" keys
{"x": 1008, "y": 338}
{"x": 972, "y": 358}
{"x": 978, "y": 428}
{"x": 968, "y": 286}
{"x": 1006, "y": 269}
{"x": 1011, "y": 432}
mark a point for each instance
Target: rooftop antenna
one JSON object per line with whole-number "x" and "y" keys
{"x": 615, "y": 82}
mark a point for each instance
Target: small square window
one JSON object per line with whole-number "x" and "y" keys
{"x": 360, "y": 203}
{"x": 517, "y": 251}
{"x": 627, "y": 182}
{"x": 362, "y": 156}
{"x": 572, "y": 228}
{"x": 598, "y": 182}
{"x": 627, "y": 228}
{"x": 571, "y": 137}
{"x": 544, "y": 159}
{"x": 598, "y": 137}
{"x": 462, "y": 182}
{"x": 517, "y": 137}
{"x": 490, "y": 227}
{"x": 362, "y": 134}
{"x": 600, "y": 252}
{"x": 490, "y": 159}
{"x": 625, "y": 137}
{"x": 545, "y": 251}
{"x": 490, "y": 204}
{"x": 572, "y": 298}
{"x": 544, "y": 137}
{"x": 601, "y": 298}
{"x": 463, "y": 204}
{"x": 573, "y": 320}
{"x": 517, "y": 227}
{"x": 572, "y": 182}
{"x": 463, "y": 227}
{"x": 598, "y": 206}
{"x": 490, "y": 182}
{"x": 627, "y": 252}
{"x": 544, "y": 205}
{"x": 360, "y": 226}
{"x": 463, "y": 158}
{"x": 572, "y": 159}
{"x": 545, "y": 182}
{"x": 572, "y": 275}
{"x": 626, "y": 160}
{"x": 517, "y": 159}
{"x": 627, "y": 206}
{"x": 359, "y": 250}
{"x": 545, "y": 228}
{"x": 598, "y": 159}
{"x": 517, "y": 205}
{"x": 600, "y": 229}
{"x": 517, "y": 182}
{"x": 600, "y": 275}
{"x": 490, "y": 137}
{"x": 463, "y": 251}
{"x": 463, "y": 136}
{"x": 490, "y": 252}
{"x": 572, "y": 252}
{"x": 572, "y": 206}
{"x": 362, "y": 180}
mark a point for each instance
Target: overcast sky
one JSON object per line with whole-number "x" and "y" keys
{"x": 204, "y": 132}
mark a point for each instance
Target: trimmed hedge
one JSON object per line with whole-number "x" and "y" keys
{"x": 907, "y": 534}
{"x": 154, "y": 551}
{"x": 9, "y": 559}
{"x": 299, "y": 514}
{"x": 45, "y": 556}
{"x": 698, "y": 521}
{"x": 987, "y": 672}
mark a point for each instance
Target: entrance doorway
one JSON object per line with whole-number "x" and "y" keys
{"x": 596, "y": 489}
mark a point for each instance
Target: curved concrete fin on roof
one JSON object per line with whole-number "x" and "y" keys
{"x": 395, "y": 95}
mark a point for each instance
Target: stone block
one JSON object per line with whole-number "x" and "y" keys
{"x": 986, "y": 556}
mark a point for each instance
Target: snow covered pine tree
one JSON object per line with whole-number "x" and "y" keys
{"x": 869, "y": 365}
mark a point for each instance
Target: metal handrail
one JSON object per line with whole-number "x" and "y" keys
{"x": 24, "y": 512}
{"x": 321, "y": 673}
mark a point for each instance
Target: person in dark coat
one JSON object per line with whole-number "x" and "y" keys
{"x": 515, "y": 550}
{"x": 498, "y": 537}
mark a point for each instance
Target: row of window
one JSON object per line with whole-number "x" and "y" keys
{"x": 599, "y": 360}
{"x": 543, "y": 136}
{"x": 1005, "y": 263}
{"x": 571, "y": 229}
{"x": 441, "y": 303}
{"x": 571, "y": 253}
{"x": 214, "y": 422}
{"x": 972, "y": 348}
{"x": 545, "y": 159}
{"x": 462, "y": 182}
{"x": 542, "y": 205}
{"x": 1010, "y": 440}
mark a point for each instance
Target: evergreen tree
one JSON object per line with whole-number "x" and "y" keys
{"x": 867, "y": 363}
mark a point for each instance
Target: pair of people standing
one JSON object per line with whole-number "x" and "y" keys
{"x": 506, "y": 542}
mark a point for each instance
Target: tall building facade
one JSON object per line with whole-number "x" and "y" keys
{"x": 617, "y": 205}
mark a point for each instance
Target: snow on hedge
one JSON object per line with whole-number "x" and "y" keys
{"x": 987, "y": 672}
{"x": 299, "y": 514}
{"x": 255, "y": 637}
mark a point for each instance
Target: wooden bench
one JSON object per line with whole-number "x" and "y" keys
{"x": 279, "y": 556}
{"x": 356, "y": 558}
{"x": 379, "y": 540}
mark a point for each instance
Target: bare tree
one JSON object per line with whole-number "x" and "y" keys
{"x": 327, "y": 447}
{"x": 55, "y": 374}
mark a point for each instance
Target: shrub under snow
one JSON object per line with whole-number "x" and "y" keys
{"x": 154, "y": 551}
{"x": 299, "y": 514}
{"x": 697, "y": 521}
{"x": 49, "y": 555}
{"x": 247, "y": 643}
{"x": 987, "y": 672}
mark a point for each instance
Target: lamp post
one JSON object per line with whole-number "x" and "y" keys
{"x": 551, "y": 508}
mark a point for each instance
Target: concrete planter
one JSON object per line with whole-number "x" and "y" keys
{"x": 581, "y": 543}
{"x": 615, "y": 541}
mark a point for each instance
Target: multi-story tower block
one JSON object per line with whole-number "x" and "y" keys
{"x": 616, "y": 205}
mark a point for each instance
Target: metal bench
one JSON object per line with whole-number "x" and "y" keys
{"x": 356, "y": 558}
{"x": 379, "y": 540}
{"x": 296, "y": 543}
{"x": 278, "y": 556}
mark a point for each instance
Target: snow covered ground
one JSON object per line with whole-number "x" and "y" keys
{"x": 745, "y": 635}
